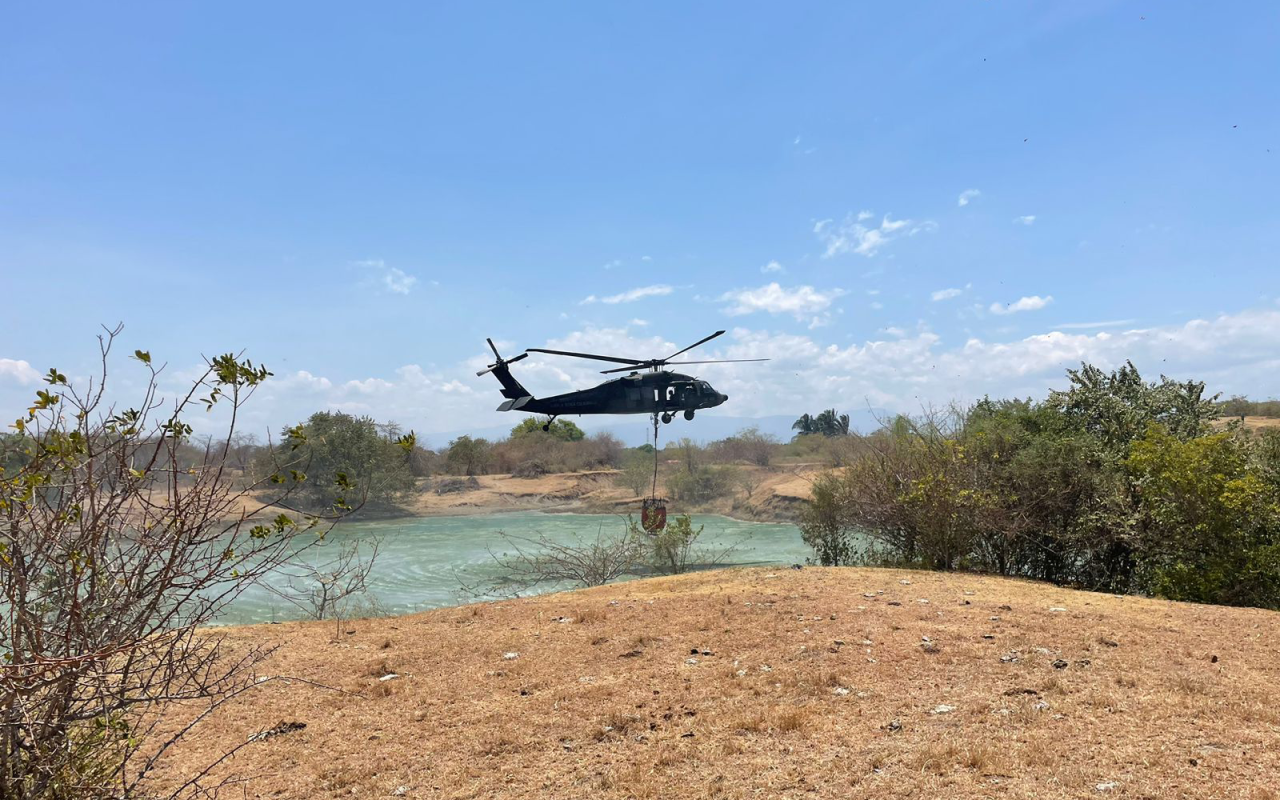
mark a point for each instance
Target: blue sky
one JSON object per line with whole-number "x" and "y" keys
{"x": 358, "y": 196}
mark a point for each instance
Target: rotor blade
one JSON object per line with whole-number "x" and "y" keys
{"x": 517, "y": 358}
{"x": 667, "y": 363}
{"x": 494, "y": 349}
{"x": 486, "y": 371}
{"x": 585, "y": 355}
{"x": 695, "y": 344}
{"x": 719, "y": 361}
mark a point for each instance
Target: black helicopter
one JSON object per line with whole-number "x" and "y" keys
{"x": 654, "y": 391}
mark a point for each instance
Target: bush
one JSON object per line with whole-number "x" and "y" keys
{"x": 701, "y": 484}
{"x": 637, "y": 474}
{"x": 748, "y": 445}
{"x": 114, "y": 560}
{"x": 1115, "y": 484}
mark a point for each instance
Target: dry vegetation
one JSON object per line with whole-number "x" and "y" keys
{"x": 776, "y": 495}
{"x": 805, "y": 683}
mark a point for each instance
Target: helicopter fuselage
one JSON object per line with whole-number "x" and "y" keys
{"x": 657, "y": 392}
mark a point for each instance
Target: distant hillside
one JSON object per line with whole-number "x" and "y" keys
{"x": 813, "y": 683}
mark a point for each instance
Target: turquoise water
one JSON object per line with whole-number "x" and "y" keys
{"x": 423, "y": 562}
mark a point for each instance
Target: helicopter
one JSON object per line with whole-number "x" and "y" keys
{"x": 648, "y": 389}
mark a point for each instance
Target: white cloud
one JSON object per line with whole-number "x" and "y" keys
{"x": 630, "y": 296}
{"x": 639, "y": 323}
{"x": 1111, "y": 323}
{"x": 772, "y": 266}
{"x": 1026, "y": 219}
{"x": 617, "y": 262}
{"x": 18, "y": 371}
{"x": 901, "y": 370}
{"x": 1033, "y": 303}
{"x": 800, "y": 302}
{"x": 396, "y": 280}
{"x": 852, "y": 236}
{"x": 392, "y": 279}
{"x": 966, "y": 196}
{"x": 945, "y": 294}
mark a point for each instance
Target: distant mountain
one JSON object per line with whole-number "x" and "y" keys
{"x": 635, "y": 430}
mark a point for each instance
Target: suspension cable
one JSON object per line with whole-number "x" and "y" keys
{"x": 653, "y": 490}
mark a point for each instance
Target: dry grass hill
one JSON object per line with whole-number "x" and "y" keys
{"x": 810, "y": 683}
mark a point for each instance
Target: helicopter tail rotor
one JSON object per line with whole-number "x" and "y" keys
{"x": 500, "y": 362}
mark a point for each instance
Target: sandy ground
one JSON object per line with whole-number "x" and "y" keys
{"x": 1252, "y": 423}
{"x": 823, "y": 683}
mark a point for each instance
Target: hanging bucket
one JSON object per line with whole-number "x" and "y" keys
{"x": 653, "y": 515}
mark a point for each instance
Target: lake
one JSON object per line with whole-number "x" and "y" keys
{"x": 423, "y": 562}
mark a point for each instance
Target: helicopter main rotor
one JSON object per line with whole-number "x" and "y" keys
{"x": 653, "y": 364}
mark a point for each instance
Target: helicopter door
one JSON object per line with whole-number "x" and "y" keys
{"x": 666, "y": 398}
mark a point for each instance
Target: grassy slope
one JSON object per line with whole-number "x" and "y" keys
{"x": 607, "y": 705}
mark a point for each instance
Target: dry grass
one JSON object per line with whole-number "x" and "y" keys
{"x": 778, "y": 709}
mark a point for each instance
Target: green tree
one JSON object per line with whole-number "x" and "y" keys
{"x": 1117, "y": 408}
{"x": 1209, "y": 526}
{"x": 561, "y": 429}
{"x": 467, "y": 456}
{"x": 373, "y": 458}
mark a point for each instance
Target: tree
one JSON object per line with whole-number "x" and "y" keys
{"x": 114, "y": 562}
{"x": 804, "y": 426}
{"x": 372, "y": 456}
{"x": 561, "y": 429}
{"x": 1118, "y": 408}
{"x": 828, "y": 423}
{"x": 467, "y": 456}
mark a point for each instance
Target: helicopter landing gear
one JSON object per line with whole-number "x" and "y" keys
{"x": 546, "y": 426}
{"x": 666, "y": 417}
{"x": 688, "y": 414}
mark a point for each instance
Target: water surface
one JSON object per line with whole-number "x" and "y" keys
{"x": 423, "y": 562}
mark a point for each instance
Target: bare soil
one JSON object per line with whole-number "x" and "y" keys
{"x": 755, "y": 683}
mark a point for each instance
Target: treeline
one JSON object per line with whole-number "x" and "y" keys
{"x": 1239, "y": 406}
{"x": 385, "y": 468}
{"x": 1114, "y": 484}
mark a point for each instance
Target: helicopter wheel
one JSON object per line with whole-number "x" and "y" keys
{"x": 665, "y": 418}
{"x": 688, "y": 414}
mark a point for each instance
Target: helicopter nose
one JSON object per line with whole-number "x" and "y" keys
{"x": 723, "y": 397}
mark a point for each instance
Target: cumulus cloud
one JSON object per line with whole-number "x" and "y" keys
{"x": 1111, "y": 323}
{"x": 945, "y": 294}
{"x": 966, "y": 196}
{"x": 1033, "y": 303}
{"x": 19, "y": 372}
{"x": 800, "y": 302}
{"x": 1025, "y": 219}
{"x": 630, "y": 296}
{"x": 852, "y": 236}
{"x": 391, "y": 279}
{"x": 899, "y": 369}
{"x": 772, "y": 266}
